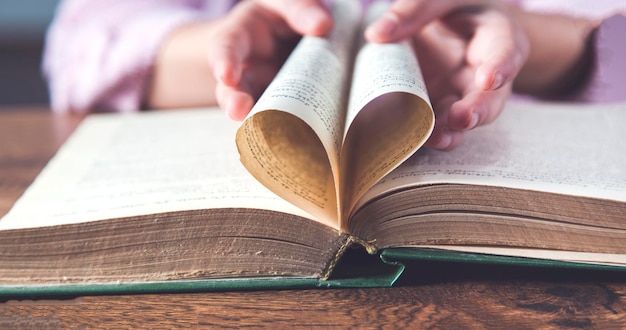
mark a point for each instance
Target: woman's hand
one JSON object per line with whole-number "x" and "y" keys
{"x": 252, "y": 42}
{"x": 470, "y": 51}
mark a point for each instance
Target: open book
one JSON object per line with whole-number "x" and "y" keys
{"x": 162, "y": 201}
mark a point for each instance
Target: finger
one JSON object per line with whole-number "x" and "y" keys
{"x": 498, "y": 50}
{"x": 227, "y": 53}
{"x": 235, "y": 102}
{"x": 442, "y": 137}
{"x": 405, "y": 17}
{"x": 307, "y": 17}
{"x": 232, "y": 44}
{"x": 477, "y": 108}
{"x": 501, "y": 66}
{"x": 238, "y": 100}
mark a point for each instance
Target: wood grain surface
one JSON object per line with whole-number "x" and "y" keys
{"x": 447, "y": 305}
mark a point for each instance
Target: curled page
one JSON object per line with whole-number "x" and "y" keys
{"x": 320, "y": 137}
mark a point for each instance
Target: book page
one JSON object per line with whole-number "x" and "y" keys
{"x": 125, "y": 165}
{"x": 389, "y": 113}
{"x": 568, "y": 149}
{"x": 571, "y": 256}
{"x": 291, "y": 139}
{"x": 382, "y": 68}
{"x": 313, "y": 83}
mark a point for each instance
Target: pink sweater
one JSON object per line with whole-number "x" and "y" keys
{"x": 99, "y": 54}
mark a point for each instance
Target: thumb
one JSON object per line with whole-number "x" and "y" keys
{"x": 405, "y": 17}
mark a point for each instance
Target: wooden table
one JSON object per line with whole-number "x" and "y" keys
{"x": 434, "y": 296}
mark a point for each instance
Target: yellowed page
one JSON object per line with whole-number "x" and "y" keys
{"x": 560, "y": 148}
{"x": 292, "y": 138}
{"x": 125, "y": 165}
{"x": 389, "y": 114}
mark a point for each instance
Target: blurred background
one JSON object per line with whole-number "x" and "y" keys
{"x": 23, "y": 26}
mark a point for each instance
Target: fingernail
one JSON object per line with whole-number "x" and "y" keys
{"x": 498, "y": 79}
{"x": 385, "y": 26}
{"x": 473, "y": 121}
{"x": 225, "y": 74}
{"x": 221, "y": 72}
{"x": 444, "y": 142}
{"x": 312, "y": 19}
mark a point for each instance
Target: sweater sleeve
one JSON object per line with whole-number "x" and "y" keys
{"x": 607, "y": 82}
{"x": 99, "y": 54}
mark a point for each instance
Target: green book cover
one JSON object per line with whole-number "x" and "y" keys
{"x": 358, "y": 269}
